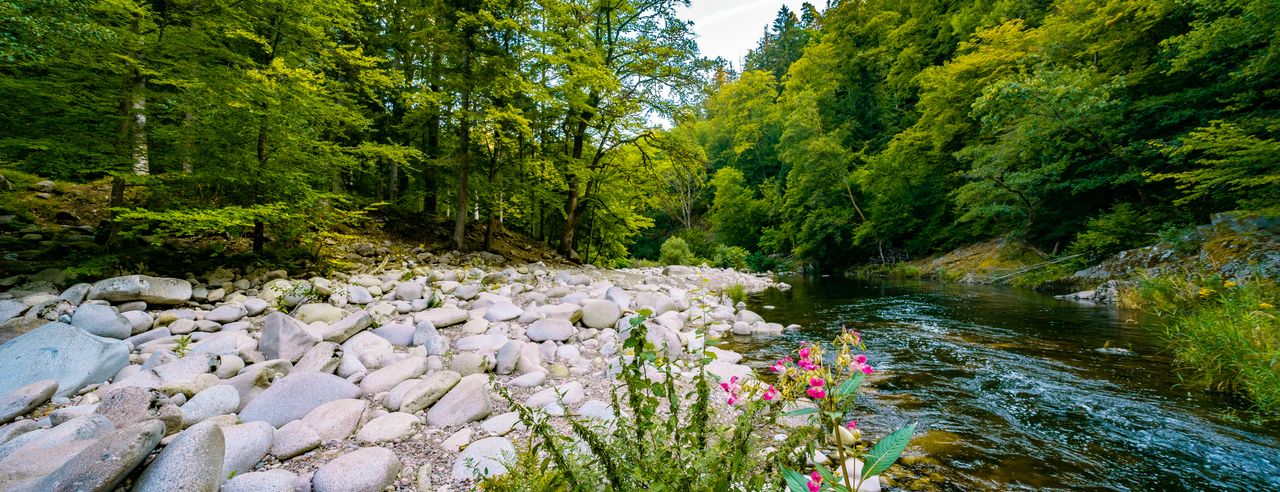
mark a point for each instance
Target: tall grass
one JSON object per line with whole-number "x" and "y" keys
{"x": 1226, "y": 337}
{"x": 736, "y": 292}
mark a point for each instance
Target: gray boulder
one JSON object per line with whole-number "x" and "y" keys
{"x": 101, "y": 320}
{"x": 10, "y": 309}
{"x": 336, "y": 420}
{"x": 30, "y": 444}
{"x": 468, "y": 401}
{"x": 484, "y": 458}
{"x": 429, "y": 338}
{"x": 106, "y": 463}
{"x": 294, "y": 439}
{"x": 25, "y": 399}
{"x": 363, "y": 470}
{"x": 192, "y": 462}
{"x": 422, "y": 393}
{"x": 550, "y": 329}
{"x": 318, "y": 311}
{"x": 339, "y": 331}
{"x": 264, "y": 481}
{"x": 227, "y": 313}
{"x": 217, "y": 400}
{"x": 139, "y": 321}
{"x": 129, "y": 405}
{"x": 600, "y": 314}
{"x": 442, "y": 317}
{"x": 284, "y": 337}
{"x": 388, "y": 377}
{"x": 389, "y": 427}
{"x": 63, "y": 353}
{"x": 247, "y": 444}
{"x": 152, "y": 290}
{"x": 293, "y": 396}
{"x": 409, "y": 291}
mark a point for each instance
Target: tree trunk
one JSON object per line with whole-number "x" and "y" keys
{"x": 141, "y": 161}
{"x": 464, "y": 162}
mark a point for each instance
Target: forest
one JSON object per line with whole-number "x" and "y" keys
{"x": 855, "y": 132}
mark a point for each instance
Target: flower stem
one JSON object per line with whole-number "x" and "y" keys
{"x": 844, "y": 467}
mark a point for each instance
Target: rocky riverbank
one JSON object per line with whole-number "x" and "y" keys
{"x": 372, "y": 381}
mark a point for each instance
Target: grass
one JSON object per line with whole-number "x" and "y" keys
{"x": 1225, "y": 336}
{"x": 736, "y": 292}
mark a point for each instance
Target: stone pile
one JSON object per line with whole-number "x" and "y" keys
{"x": 357, "y": 382}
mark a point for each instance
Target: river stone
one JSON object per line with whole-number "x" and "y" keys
{"x": 105, "y": 464}
{"x": 529, "y": 380}
{"x": 503, "y": 310}
{"x": 153, "y": 290}
{"x": 126, "y": 406}
{"x": 571, "y": 392}
{"x": 323, "y": 357}
{"x": 429, "y": 338}
{"x": 475, "y": 326}
{"x": 346, "y": 327}
{"x": 336, "y": 420}
{"x": 619, "y": 297}
{"x": 550, "y": 329}
{"x": 139, "y": 321}
{"x": 293, "y": 439}
{"x": 318, "y": 311}
{"x": 468, "y": 401}
{"x": 25, "y": 399}
{"x": 501, "y": 424}
{"x": 246, "y": 444}
{"x": 255, "y": 306}
{"x": 10, "y": 309}
{"x": 372, "y": 351}
{"x": 284, "y": 337}
{"x": 388, "y": 377}
{"x": 191, "y": 462}
{"x": 187, "y": 368}
{"x": 218, "y": 400}
{"x": 467, "y": 292}
{"x": 359, "y": 295}
{"x": 441, "y": 317}
{"x": 293, "y": 396}
{"x": 227, "y": 313}
{"x": 18, "y": 428}
{"x": 101, "y": 320}
{"x": 387, "y": 428}
{"x": 600, "y": 314}
{"x": 566, "y": 311}
{"x": 30, "y": 445}
{"x": 468, "y": 363}
{"x": 409, "y": 291}
{"x": 507, "y": 357}
{"x": 481, "y": 343}
{"x": 363, "y": 470}
{"x": 429, "y": 389}
{"x": 484, "y": 458}
{"x": 396, "y": 333}
{"x": 264, "y": 481}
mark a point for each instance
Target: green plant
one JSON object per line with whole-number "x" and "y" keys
{"x": 731, "y": 257}
{"x": 1225, "y": 335}
{"x": 736, "y": 292}
{"x": 832, "y": 386}
{"x": 667, "y": 439}
{"x": 675, "y": 251}
{"x": 183, "y": 345}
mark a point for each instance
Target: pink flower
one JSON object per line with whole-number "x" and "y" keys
{"x": 860, "y": 364}
{"x": 780, "y": 366}
{"x": 853, "y": 424}
{"x": 732, "y": 387}
{"x": 816, "y": 382}
{"x": 807, "y": 365}
{"x": 769, "y": 394}
{"x": 815, "y": 482}
{"x": 804, "y": 353}
{"x": 817, "y": 393}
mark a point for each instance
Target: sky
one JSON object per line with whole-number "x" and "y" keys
{"x": 730, "y": 28}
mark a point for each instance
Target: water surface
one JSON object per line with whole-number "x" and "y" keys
{"x": 1012, "y": 394}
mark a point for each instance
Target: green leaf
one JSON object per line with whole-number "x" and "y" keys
{"x": 850, "y": 386}
{"x": 886, "y": 452}
{"x": 795, "y": 481}
{"x": 801, "y": 411}
{"x": 830, "y": 478}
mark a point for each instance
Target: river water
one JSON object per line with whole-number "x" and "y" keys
{"x": 1012, "y": 394}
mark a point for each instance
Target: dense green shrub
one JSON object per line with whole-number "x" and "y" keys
{"x": 675, "y": 251}
{"x": 731, "y": 257}
{"x": 1124, "y": 227}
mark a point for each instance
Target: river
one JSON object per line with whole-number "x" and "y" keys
{"x": 1012, "y": 394}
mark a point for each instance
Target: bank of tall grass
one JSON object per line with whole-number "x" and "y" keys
{"x": 1225, "y": 335}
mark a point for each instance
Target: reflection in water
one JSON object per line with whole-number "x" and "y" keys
{"x": 1012, "y": 393}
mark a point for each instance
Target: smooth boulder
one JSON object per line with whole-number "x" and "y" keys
{"x": 102, "y": 320}
{"x": 363, "y": 470}
{"x": 295, "y": 395}
{"x": 484, "y": 458}
{"x": 192, "y": 462}
{"x": 284, "y": 337}
{"x": 25, "y": 399}
{"x": 468, "y": 401}
{"x": 152, "y": 290}
{"x": 63, "y": 353}
{"x": 106, "y": 463}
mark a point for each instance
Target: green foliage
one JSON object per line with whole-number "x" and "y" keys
{"x": 183, "y": 345}
{"x": 675, "y": 251}
{"x": 736, "y": 293}
{"x": 731, "y": 257}
{"x": 1124, "y": 227}
{"x": 1225, "y": 336}
{"x": 668, "y": 439}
